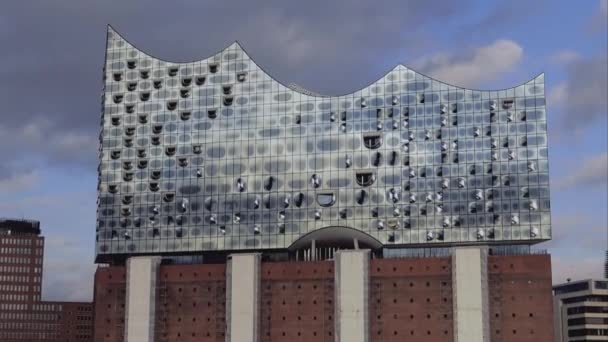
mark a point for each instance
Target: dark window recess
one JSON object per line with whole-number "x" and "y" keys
{"x": 326, "y": 199}
{"x": 184, "y": 93}
{"x": 170, "y": 151}
{"x": 118, "y": 98}
{"x": 155, "y": 174}
{"x": 228, "y": 100}
{"x": 127, "y": 165}
{"x": 154, "y": 186}
{"x": 129, "y": 131}
{"x": 299, "y": 199}
{"x": 171, "y": 105}
{"x": 144, "y": 96}
{"x": 168, "y": 197}
{"x": 361, "y": 196}
{"x": 144, "y": 74}
{"x": 298, "y": 119}
{"x": 130, "y": 109}
{"x": 127, "y": 177}
{"x": 200, "y": 80}
{"x": 377, "y": 159}
{"x": 112, "y": 188}
{"x": 131, "y": 64}
{"x": 158, "y": 84}
{"x": 507, "y": 104}
{"x": 227, "y": 89}
{"x": 372, "y": 141}
{"x": 212, "y": 113}
{"x": 155, "y": 140}
{"x": 394, "y": 156}
{"x": 185, "y": 115}
{"x": 115, "y": 120}
{"x": 183, "y": 162}
{"x": 115, "y": 154}
{"x": 365, "y": 178}
{"x": 141, "y": 153}
{"x": 343, "y": 213}
{"x": 157, "y": 129}
{"x": 213, "y": 68}
{"x": 142, "y": 118}
{"x": 131, "y": 86}
{"x": 197, "y": 149}
{"x": 127, "y": 199}
{"x": 269, "y": 183}
{"x": 241, "y": 77}
{"x": 375, "y": 212}
{"x": 172, "y": 72}
{"x": 186, "y": 82}
{"x": 117, "y": 76}
{"x": 142, "y": 164}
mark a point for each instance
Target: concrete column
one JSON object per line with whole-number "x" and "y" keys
{"x": 470, "y": 294}
{"x": 141, "y": 298}
{"x": 242, "y": 298}
{"x": 351, "y": 295}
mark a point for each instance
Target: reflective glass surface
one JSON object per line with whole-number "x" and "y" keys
{"x": 217, "y": 155}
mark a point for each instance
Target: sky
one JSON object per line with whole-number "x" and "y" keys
{"x": 51, "y": 79}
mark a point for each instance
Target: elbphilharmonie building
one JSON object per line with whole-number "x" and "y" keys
{"x": 312, "y": 217}
{"x": 218, "y": 155}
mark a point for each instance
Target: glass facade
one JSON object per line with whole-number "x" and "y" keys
{"x": 217, "y": 155}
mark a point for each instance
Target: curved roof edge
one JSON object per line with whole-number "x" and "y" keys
{"x": 308, "y": 92}
{"x": 336, "y": 234}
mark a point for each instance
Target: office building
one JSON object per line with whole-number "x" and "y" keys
{"x": 217, "y": 179}
{"x": 580, "y": 310}
{"x": 23, "y": 314}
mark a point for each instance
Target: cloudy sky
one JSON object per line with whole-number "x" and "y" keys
{"x": 51, "y": 69}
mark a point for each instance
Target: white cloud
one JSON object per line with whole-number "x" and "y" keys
{"x": 565, "y": 57}
{"x": 486, "y": 63}
{"x": 592, "y": 171}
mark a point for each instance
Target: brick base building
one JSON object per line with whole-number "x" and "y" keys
{"x": 403, "y": 298}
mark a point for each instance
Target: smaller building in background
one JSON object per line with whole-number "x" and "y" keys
{"x": 23, "y": 315}
{"x": 581, "y": 310}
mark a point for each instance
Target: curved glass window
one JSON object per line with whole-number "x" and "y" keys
{"x": 365, "y": 178}
{"x": 299, "y": 199}
{"x": 326, "y": 199}
{"x": 372, "y": 141}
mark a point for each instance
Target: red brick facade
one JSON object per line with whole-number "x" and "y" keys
{"x": 409, "y": 299}
{"x": 520, "y": 298}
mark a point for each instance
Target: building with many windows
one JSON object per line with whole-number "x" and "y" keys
{"x": 23, "y": 314}
{"x": 581, "y": 310}
{"x": 263, "y": 211}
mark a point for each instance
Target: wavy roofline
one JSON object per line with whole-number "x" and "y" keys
{"x": 400, "y": 65}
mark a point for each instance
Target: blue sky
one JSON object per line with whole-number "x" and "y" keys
{"x": 50, "y": 82}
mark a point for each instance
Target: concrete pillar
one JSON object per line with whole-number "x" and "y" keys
{"x": 141, "y": 298}
{"x": 352, "y": 295}
{"x": 242, "y": 298}
{"x": 470, "y": 294}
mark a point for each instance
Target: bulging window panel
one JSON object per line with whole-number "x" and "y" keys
{"x": 326, "y": 199}
{"x": 220, "y": 145}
